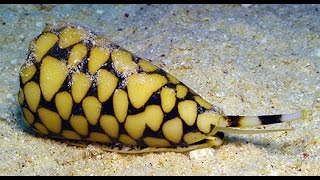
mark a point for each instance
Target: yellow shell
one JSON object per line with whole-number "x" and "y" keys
{"x": 79, "y": 86}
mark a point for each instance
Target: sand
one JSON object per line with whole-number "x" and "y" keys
{"x": 246, "y": 59}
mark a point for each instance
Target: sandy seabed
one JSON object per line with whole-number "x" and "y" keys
{"x": 246, "y": 59}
